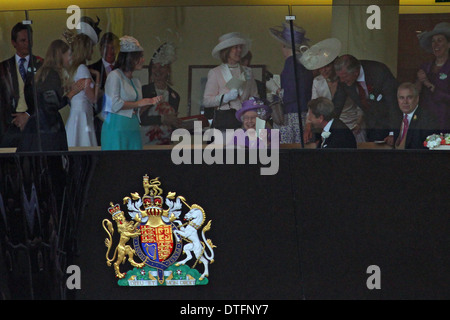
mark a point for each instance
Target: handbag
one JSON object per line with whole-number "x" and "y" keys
{"x": 225, "y": 119}
{"x": 277, "y": 112}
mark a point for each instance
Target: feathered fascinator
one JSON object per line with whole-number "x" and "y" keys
{"x": 165, "y": 54}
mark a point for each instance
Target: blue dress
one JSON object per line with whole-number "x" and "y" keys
{"x": 121, "y": 128}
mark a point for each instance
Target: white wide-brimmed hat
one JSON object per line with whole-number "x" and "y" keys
{"x": 229, "y": 40}
{"x": 321, "y": 54}
{"x": 425, "y": 37}
{"x": 129, "y": 44}
{"x": 283, "y": 34}
{"x": 88, "y": 30}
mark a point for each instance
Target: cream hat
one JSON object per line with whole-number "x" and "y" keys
{"x": 88, "y": 30}
{"x": 129, "y": 44}
{"x": 321, "y": 54}
{"x": 229, "y": 40}
{"x": 425, "y": 37}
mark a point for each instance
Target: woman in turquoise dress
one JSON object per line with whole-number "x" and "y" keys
{"x": 123, "y": 98}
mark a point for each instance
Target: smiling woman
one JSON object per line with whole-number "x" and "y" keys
{"x": 433, "y": 78}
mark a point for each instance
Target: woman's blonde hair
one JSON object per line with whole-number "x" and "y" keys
{"x": 54, "y": 61}
{"x": 81, "y": 51}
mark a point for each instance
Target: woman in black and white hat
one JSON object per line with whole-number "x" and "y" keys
{"x": 229, "y": 83}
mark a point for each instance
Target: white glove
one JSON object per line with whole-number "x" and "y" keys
{"x": 229, "y": 96}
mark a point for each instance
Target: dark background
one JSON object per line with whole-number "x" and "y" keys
{"x": 308, "y": 232}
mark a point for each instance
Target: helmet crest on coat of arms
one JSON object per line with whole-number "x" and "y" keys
{"x": 159, "y": 239}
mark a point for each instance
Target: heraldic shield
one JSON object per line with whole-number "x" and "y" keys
{"x": 158, "y": 235}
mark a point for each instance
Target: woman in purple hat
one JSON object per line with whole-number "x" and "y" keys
{"x": 251, "y": 110}
{"x": 290, "y": 129}
{"x": 433, "y": 78}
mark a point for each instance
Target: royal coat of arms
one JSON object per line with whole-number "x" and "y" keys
{"x": 158, "y": 239}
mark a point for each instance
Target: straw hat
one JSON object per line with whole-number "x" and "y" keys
{"x": 283, "y": 34}
{"x": 425, "y": 37}
{"x": 321, "y": 54}
{"x": 229, "y": 40}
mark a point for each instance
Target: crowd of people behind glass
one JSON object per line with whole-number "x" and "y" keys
{"x": 320, "y": 97}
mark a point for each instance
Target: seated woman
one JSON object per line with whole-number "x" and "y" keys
{"x": 248, "y": 137}
{"x": 433, "y": 78}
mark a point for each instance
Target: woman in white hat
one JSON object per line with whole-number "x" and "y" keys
{"x": 230, "y": 83}
{"x": 123, "y": 99}
{"x": 321, "y": 57}
{"x": 433, "y": 78}
{"x": 290, "y": 129}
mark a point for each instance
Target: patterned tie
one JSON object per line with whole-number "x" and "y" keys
{"x": 23, "y": 72}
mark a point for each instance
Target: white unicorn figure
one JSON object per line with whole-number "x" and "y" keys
{"x": 196, "y": 217}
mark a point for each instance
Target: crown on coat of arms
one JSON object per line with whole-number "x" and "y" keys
{"x": 114, "y": 209}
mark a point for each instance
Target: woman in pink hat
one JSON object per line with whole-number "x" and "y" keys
{"x": 229, "y": 83}
{"x": 433, "y": 78}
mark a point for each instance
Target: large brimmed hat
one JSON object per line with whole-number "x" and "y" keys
{"x": 229, "y": 40}
{"x": 253, "y": 103}
{"x": 425, "y": 37}
{"x": 283, "y": 34}
{"x": 321, "y": 54}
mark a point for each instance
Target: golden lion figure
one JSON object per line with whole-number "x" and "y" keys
{"x": 127, "y": 230}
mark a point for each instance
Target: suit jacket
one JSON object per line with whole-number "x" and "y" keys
{"x": 381, "y": 111}
{"x": 149, "y": 91}
{"x": 10, "y": 97}
{"x": 101, "y": 69}
{"x": 340, "y": 136}
{"x": 423, "y": 124}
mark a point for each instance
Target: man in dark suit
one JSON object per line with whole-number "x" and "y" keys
{"x": 371, "y": 85}
{"x": 416, "y": 124}
{"x": 108, "y": 45}
{"x": 16, "y": 79}
{"x": 334, "y": 133}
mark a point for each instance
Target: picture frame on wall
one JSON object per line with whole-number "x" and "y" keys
{"x": 198, "y": 75}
